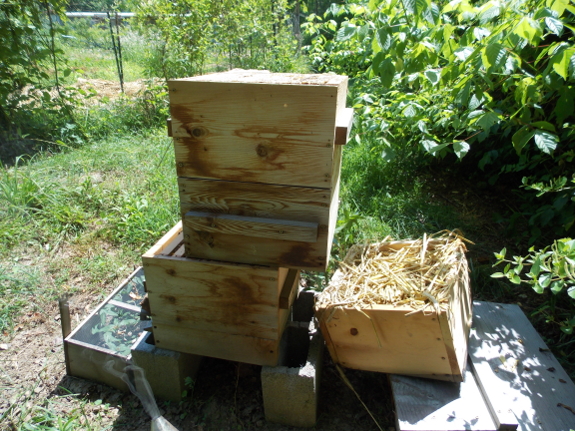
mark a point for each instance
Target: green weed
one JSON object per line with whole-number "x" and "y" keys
{"x": 52, "y": 415}
{"x": 19, "y": 192}
{"x": 18, "y": 287}
{"x": 86, "y": 214}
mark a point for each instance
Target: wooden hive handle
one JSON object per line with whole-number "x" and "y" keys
{"x": 290, "y": 230}
{"x": 343, "y": 123}
{"x": 169, "y": 126}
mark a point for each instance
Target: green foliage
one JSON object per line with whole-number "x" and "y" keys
{"x": 118, "y": 193}
{"x": 117, "y": 329}
{"x": 549, "y": 269}
{"x": 491, "y": 82}
{"x": 53, "y": 414}
{"x": 30, "y": 95}
{"x": 17, "y": 284}
{"x": 194, "y": 36}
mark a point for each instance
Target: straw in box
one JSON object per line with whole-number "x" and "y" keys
{"x": 417, "y": 273}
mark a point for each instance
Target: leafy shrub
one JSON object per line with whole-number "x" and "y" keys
{"x": 195, "y": 36}
{"x": 549, "y": 269}
{"x": 487, "y": 83}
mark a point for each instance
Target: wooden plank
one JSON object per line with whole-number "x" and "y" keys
{"x": 285, "y": 114}
{"x": 230, "y": 224}
{"x": 456, "y": 321}
{"x": 387, "y": 341}
{"x": 333, "y": 211}
{"x": 233, "y": 347}
{"x": 498, "y": 406}
{"x": 276, "y": 131}
{"x": 259, "y": 200}
{"x": 232, "y": 298}
{"x": 518, "y": 370}
{"x": 343, "y": 125}
{"x": 253, "y": 159}
{"x": 267, "y": 78}
{"x": 424, "y": 404}
{"x": 255, "y": 200}
{"x": 289, "y": 289}
{"x": 125, "y": 306}
{"x": 168, "y": 242}
{"x": 235, "y": 248}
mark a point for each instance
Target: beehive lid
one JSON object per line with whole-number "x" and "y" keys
{"x": 266, "y": 77}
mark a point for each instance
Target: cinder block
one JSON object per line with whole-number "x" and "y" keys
{"x": 290, "y": 390}
{"x": 165, "y": 370}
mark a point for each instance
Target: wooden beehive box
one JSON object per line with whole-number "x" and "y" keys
{"x": 394, "y": 339}
{"x": 258, "y": 157}
{"x": 225, "y": 310}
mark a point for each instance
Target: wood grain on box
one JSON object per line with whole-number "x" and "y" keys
{"x": 300, "y": 245}
{"x": 254, "y": 145}
{"x": 223, "y": 301}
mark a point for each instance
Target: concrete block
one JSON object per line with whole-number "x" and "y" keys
{"x": 165, "y": 370}
{"x": 290, "y": 390}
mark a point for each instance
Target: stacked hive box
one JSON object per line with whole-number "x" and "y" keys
{"x": 258, "y": 158}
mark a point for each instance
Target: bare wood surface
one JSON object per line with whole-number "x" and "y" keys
{"x": 168, "y": 242}
{"x": 343, "y": 125}
{"x": 231, "y": 224}
{"x": 429, "y": 405}
{"x": 264, "y": 251}
{"x": 255, "y": 200}
{"x": 259, "y": 200}
{"x": 456, "y": 322}
{"x": 250, "y": 158}
{"x": 518, "y": 370}
{"x": 251, "y": 76}
{"x": 232, "y": 298}
{"x": 289, "y": 289}
{"x": 233, "y": 347}
{"x": 125, "y": 306}
{"x": 257, "y": 127}
{"x": 382, "y": 338}
{"x": 288, "y": 114}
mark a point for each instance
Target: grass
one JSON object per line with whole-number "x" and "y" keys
{"x": 84, "y": 215}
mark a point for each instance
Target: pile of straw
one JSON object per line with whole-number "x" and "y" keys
{"x": 418, "y": 273}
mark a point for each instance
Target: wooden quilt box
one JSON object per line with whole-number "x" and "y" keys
{"x": 260, "y": 127}
{"x": 226, "y": 310}
{"x": 398, "y": 339}
{"x": 284, "y": 226}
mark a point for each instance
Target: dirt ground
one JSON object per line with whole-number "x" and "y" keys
{"x": 226, "y": 395}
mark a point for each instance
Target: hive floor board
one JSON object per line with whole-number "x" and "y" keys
{"x": 430, "y": 405}
{"x": 522, "y": 385}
